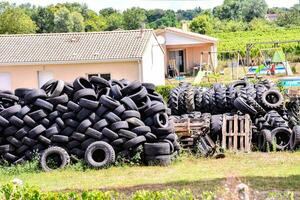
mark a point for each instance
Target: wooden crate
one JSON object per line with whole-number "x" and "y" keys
{"x": 237, "y": 133}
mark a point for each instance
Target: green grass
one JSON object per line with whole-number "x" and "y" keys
{"x": 262, "y": 171}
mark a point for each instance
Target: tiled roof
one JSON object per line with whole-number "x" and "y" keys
{"x": 73, "y": 47}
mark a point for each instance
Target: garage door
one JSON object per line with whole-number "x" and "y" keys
{"x": 43, "y": 77}
{"x": 5, "y": 81}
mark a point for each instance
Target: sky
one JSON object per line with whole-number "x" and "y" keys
{"x": 151, "y": 4}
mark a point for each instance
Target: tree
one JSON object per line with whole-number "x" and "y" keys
{"x": 94, "y": 22}
{"x": 254, "y": 9}
{"x": 78, "y": 22}
{"x": 168, "y": 19}
{"x": 290, "y": 18}
{"x": 107, "y": 12}
{"x": 202, "y": 24}
{"x": 15, "y": 21}
{"x": 188, "y": 14}
{"x": 44, "y": 19}
{"x": 134, "y": 18}
{"x": 114, "y": 21}
{"x": 3, "y": 6}
{"x": 63, "y": 21}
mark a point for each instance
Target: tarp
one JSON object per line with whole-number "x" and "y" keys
{"x": 278, "y": 57}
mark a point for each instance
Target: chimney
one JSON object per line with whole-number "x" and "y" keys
{"x": 142, "y": 30}
{"x": 185, "y": 26}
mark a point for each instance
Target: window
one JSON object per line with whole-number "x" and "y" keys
{"x": 43, "y": 77}
{"x": 5, "y": 80}
{"x": 105, "y": 76}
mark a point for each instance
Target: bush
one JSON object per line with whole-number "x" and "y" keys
{"x": 15, "y": 192}
{"x": 164, "y": 90}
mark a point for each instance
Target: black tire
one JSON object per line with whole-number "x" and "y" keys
{"x": 150, "y": 137}
{"x": 67, "y": 131}
{"x": 85, "y": 93}
{"x": 6, "y": 148}
{"x": 118, "y": 142}
{"x": 36, "y": 131}
{"x": 52, "y": 116}
{"x": 161, "y": 120}
{"x": 51, "y": 131}
{"x": 141, "y": 130}
{"x": 243, "y": 106}
{"x": 119, "y": 125}
{"x": 189, "y": 99}
{"x": 134, "y": 142}
{"x": 22, "y": 132}
{"x": 14, "y": 120}
{"x": 60, "y": 155}
{"x": 37, "y": 115}
{"x": 24, "y": 111}
{"x": 10, "y": 111}
{"x": 78, "y": 136}
{"x": 256, "y": 106}
{"x": 62, "y": 99}
{"x": 84, "y": 125}
{"x": 14, "y": 141}
{"x": 88, "y": 104}
{"x": 86, "y": 143}
{"x": 109, "y": 102}
{"x": 159, "y": 148}
{"x": 115, "y": 92}
{"x": 43, "y": 104}
{"x": 32, "y": 95}
{"x": 44, "y": 140}
{"x": 99, "y": 154}
{"x": 73, "y": 106}
{"x": 100, "y": 125}
{"x": 110, "y": 134}
{"x": 161, "y": 160}
{"x": 272, "y": 99}
{"x": 216, "y": 123}
{"x": 160, "y": 107}
{"x": 135, "y": 122}
{"x": 62, "y": 109}
{"x": 281, "y": 138}
{"x": 83, "y": 114}
{"x": 295, "y": 138}
{"x": 29, "y": 142}
{"x": 59, "y": 139}
{"x": 72, "y": 123}
{"x": 129, "y": 104}
{"x": 174, "y": 100}
{"x": 131, "y": 113}
{"x": 127, "y": 134}
{"x": 111, "y": 117}
{"x": 93, "y": 133}
{"x": 142, "y": 93}
{"x": 99, "y": 82}
{"x": 149, "y": 86}
{"x": 81, "y": 83}
{"x": 131, "y": 88}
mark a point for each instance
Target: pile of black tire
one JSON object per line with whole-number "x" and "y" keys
{"x": 92, "y": 119}
{"x": 275, "y": 122}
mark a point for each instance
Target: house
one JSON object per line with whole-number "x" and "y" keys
{"x": 32, "y": 59}
{"x": 186, "y": 50}
{"x": 271, "y": 17}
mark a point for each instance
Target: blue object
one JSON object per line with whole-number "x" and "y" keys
{"x": 290, "y": 81}
{"x": 279, "y": 69}
{"x": 180, "y": 78}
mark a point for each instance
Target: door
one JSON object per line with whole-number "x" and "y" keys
{"x": 5, "y": 80}
{"x": 43, "y": 77}
{"x": 177, "y": 57}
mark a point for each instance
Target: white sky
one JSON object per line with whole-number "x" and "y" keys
{"x": 151, "y": 4}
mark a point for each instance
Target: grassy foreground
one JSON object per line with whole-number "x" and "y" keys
{"x": 261, "y": 171}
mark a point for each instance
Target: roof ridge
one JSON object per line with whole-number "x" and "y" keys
{"x": 74, "y": 33}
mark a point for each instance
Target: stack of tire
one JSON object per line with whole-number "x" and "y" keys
{"x": 262, "y": 101}
{"x": 84, "y": 119}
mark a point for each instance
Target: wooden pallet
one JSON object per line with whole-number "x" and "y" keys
{"x": 237, "y": 133}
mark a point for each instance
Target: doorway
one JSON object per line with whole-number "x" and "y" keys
{"x": 176, "y": 59}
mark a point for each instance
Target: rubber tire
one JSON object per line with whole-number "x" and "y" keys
{"x": 64, "y": 156}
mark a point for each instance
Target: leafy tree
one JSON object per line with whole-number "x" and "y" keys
{"x": 188, "y": 14}
{"x": 134, "y": 18}
{"x": 202, "y": 24}
{"x": 154, "y": 15}
{"x": 44, "y": 19}
{"x": 290, "y": 18}
{"x": 63, "y": 21}
{"x": 254, "y": 9}
{"x": 15, "y": 21}
{"x": 167, "y": 20}
{"x": 114, "y": 21}
{"x": 107, "y": 12}
{"x": 78, "y": 22}
{"x": 3, "y": 6}
{"x": 94, "y": 22}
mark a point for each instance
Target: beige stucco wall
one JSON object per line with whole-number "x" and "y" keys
{"x": 27, "y": 76}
